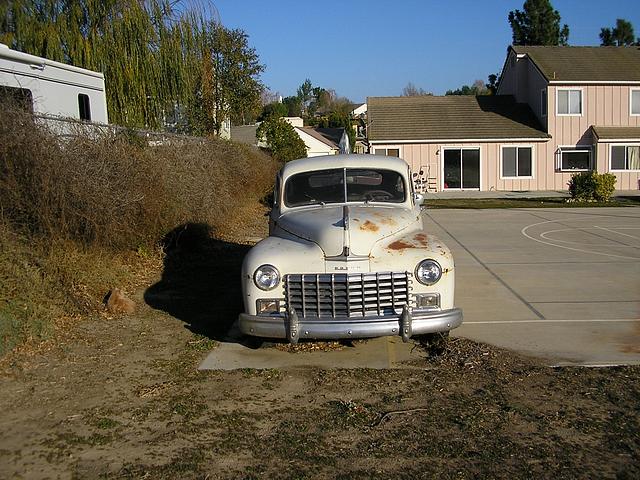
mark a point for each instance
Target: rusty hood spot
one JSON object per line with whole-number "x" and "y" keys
{"x": 369, "y": 226}
{"x": 422, "y": 239}
{"x": 385, "y": 219}
{"x": 399, "y": 245}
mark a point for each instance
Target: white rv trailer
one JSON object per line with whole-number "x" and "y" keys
{"x": 49, "y": 88}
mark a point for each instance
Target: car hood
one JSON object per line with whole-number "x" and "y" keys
{"x": 366, "y": 225}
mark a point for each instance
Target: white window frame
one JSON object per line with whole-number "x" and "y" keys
{"x": 611, "y": 155}
{"x": 544, "y": 102}
{"x": 533, "y": 162}
{"x": 574, "y": 148}
{"x": 465, "y": 147}
{"x": 570, "y": 89}
{"x": 631, "y": 90}
{"x": 386, "y": 149}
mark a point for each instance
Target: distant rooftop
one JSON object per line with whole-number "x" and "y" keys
{"x": 244, "y": 134}
{"x": 328, "y": 136}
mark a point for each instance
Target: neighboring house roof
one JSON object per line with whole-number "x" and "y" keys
{"x": 585, "y": 64}
{"x": 616, "y": 133}
{"x": 244, "y": 134}
{"x": 358, "y": 109}
{"x": 452, "y": 117}
{"x": 329, "y": 136}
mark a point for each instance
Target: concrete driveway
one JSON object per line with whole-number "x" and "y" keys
{"x": 562, "y": 284}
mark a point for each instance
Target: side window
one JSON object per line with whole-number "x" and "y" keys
{"x": 389, "y": 152}
{"x": 517, "y": 162}
{"x": 84, "y": 108}
{"x": 575, "y": 159}
{"x": 635, "y": 102}
{"x": 569, "y": 102}
{"x": 19, "y": 97}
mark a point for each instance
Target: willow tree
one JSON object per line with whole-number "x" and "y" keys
{"x": 159, "y": 57}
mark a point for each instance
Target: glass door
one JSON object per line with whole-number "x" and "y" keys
{"x": 462, "y": 168}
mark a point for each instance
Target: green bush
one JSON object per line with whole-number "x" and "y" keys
{"x": 592, "y": 186}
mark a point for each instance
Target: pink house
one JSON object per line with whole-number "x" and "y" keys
{"x": 558, "y": 110}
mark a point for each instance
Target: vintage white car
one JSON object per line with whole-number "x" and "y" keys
{"x": 347, "y": 256}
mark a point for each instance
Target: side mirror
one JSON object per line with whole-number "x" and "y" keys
{"x": 418, "y": 198}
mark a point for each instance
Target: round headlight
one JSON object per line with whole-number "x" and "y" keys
{"x": 266, "y": 277}
{"x": 428, "y": 272}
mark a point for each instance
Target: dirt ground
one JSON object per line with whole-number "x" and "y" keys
{"x": 121, "y": 397}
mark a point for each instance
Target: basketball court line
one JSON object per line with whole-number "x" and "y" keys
{"x": 525, "y": 233}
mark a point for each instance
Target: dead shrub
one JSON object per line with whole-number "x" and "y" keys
{"x": 76, "y": 213}
{"x": 104, "y": 189}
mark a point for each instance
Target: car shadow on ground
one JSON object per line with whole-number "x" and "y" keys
{"x": 200, "y": 282}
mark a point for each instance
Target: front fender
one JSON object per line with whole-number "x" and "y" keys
{"x": 287, "y": 255}
{"x": 406, "y": 251}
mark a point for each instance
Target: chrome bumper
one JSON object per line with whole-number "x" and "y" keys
{"x": 291, "y": 327}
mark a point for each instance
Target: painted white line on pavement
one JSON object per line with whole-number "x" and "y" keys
{"x": 502, "y": 322}
{"x": 591, "y": 252}
{"x": 620, "y": 233}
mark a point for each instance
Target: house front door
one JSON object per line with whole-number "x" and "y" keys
{"x": 461, "y": 167}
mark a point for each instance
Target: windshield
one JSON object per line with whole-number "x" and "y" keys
{"x": 328, "y": 186}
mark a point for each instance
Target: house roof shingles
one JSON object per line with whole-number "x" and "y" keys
{"x": 453, "y": 117}
{"x": 328, "y": 136}
{"x": 616, "y": 133}
{"x": 244, "y": 134}
{"x": 585, "y": 64}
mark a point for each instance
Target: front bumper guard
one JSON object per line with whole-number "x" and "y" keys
{"x": 407, "y": 324}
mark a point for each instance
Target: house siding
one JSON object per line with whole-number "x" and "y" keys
{"x": 428, "y": 157}
{"x": 602, "y": 105}
{"x": 624, "y": 180}
{"x": 536, "y": 83}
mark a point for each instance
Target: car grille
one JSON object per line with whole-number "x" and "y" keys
{"x": 347, "y": 295}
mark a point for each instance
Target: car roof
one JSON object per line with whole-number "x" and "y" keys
{"x": 344, "y": 161}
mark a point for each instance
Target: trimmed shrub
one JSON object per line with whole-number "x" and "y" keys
{"x": 592, "y": 186}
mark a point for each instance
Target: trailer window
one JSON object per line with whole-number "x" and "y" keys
{"x": 84, "y": 107}
{"x": 17, "y": 97}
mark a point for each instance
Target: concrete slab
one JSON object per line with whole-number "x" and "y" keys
{"x": 379, "y": 353}
{"x": 563, "y": 284}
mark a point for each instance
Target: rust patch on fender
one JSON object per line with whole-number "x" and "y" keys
{"x": 399, "y": 245}
{"x": 369, "y": 226}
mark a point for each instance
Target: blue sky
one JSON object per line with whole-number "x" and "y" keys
{"x": 374, "y": 48}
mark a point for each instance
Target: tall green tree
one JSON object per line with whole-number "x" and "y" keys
{"x": 492, "y": 85}
{"x": 294, "y": 106}
{"x": 233, "y": 68}
{"x": 620, "y": 35}
{"x": 478, "y": 88}
{"x": 538, "y": 24}
{"x": 281, "y": 138}
{"x": 273, "y": 109}
{"x": 160, "y": 58}
{"x": 306, "y": 95}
